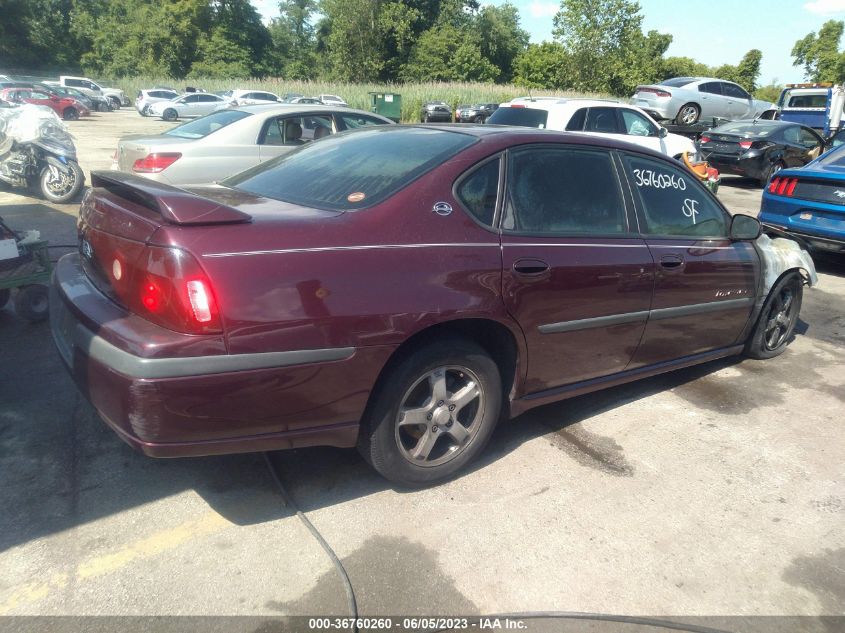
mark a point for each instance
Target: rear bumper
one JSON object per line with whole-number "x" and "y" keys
{"x": 752, "y": 167}
{"x": 184, "y": 405}
{"x": 820, "y": 225}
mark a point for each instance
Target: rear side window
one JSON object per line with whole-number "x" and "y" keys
{"x": 602, "y": 120}
{"x": 576, "y": 123}
{"x": 202, "y": 127}
{"x": 672, "y": 202}
{"x": 563, "y": 191}
{"x": 713, "y": 87}
{"x": 524, "y": 117}
{"x": 352, "y": 171}
{"x": 479, "y": 190}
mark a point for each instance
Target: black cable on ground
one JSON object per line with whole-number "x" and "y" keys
{"x": 341, "y": 571}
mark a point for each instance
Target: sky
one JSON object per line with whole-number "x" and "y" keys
{"x": 713, "y": 32}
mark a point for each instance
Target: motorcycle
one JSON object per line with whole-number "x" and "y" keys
{"x": 37, "y": 151}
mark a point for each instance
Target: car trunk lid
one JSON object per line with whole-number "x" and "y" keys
{"x": 132, "y": 148}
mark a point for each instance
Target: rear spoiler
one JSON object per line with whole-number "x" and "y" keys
{"x": 175, "y": 205}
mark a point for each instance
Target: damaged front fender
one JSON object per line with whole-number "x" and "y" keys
{"x": 781, "y": 254}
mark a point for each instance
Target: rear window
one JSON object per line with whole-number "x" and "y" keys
{"x": 525, "y": 117}
{"x": 807, "y": 101}
{"x": 351, "y": 171}
{"x": 677, "y": 82}
{"x": 202, "y": 127}
{"x": 756, "y": 129}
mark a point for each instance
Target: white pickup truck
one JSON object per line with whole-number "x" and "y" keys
{"x": 90, "y": 87}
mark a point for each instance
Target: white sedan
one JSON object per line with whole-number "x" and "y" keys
{"x": 189, "y": 105}
{"x": 229, "y": 141}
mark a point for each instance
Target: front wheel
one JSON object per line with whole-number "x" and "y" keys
{"x": 115, "y": 102}
{"x": 60, "y": 187}
{"x": 433, "y": 414}
{"x": 688, "y": 114}
{"x": 70, "y": 114}
{"x": 777, "y": 320}
{"x": 170, "y": 115}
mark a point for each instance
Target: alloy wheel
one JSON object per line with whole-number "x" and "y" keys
{"x": 780, "y": 318}
{"x": 439, "y": 415}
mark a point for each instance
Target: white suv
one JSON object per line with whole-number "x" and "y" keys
{"x": 146, "y": 98}
{"x": 595, "y": 117}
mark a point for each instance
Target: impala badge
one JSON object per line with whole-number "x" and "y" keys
{"x": 443, "y": 208}
{"x": 839, "y": 193}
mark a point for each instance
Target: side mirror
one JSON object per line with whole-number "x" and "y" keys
{"x": 744, "y": 227}
{"x": 662, "y": 132}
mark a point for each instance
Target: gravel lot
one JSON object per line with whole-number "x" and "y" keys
{"x": 712, "y": 491}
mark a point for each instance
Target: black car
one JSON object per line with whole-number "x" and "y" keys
{"x": 759, "y": 148}
{"x": 436, "y": 111}
{"x": 476, "y": 113}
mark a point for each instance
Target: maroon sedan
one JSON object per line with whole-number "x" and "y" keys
{"x": 403, "y": 288}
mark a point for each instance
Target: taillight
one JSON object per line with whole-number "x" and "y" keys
{"x": 518, "y": 105}
{"x": 704, "y": 139}
{"x": 171, "y": 290}
{"x": 745, "y": 144}
{"x": 783, "y": 186}
{"x": 154, "y": 163}
{"x": 656, "y": 91}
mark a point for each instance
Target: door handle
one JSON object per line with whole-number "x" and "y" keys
{"x": 672, "y": 262}
{"x": 530, "y": 267}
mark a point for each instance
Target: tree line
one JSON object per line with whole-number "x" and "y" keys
{"x": 598, "y": 45}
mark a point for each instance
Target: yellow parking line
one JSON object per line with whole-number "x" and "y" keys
{"x": 142, "y": 549}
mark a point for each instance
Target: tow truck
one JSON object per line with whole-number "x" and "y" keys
{"x": 816, "y": 105}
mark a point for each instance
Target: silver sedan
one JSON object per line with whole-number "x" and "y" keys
{"x": 229, "y": 141}
{"x": 688, "y": 99}
{"x": 192, "y": 104}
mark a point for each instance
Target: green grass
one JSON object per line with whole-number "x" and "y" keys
{"x": 356, "y": 95}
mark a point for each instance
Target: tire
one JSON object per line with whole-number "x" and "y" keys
{"x": 771, "y": 171}
{"x": 170, "y": 115}
{"x": 70, "y": 114}
{"x": 479, "y": 119}
{"x": 688, "y": 114}
{"x": 425, "y": 382}
{"x": 64, "y": 190}
{"x": 777, "y": 320}
{"x": 103, "y": 107}
{"x": 5, "y": 293}
{"x": 115, "y": 102}
{"x": 31, "y": 303}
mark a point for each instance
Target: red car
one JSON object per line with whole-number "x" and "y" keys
{"x": 66, "y": 107}
{"x": 403, "y": 288}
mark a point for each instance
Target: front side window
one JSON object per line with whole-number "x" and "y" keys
{"x": 809, "y": 138}
{"x": 636, "y": 124}
{"x": 602, "y": 120}
{"x": 732, "y": 90}
{"x": 478, "y": 191}
{"x": 562, "y": 191}
{"x": 673, "y": 203}
{"x": 352, "y": 171}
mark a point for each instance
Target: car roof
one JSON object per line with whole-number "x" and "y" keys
{"x": 285, "y": 108}
{"x": 565, "y": 103}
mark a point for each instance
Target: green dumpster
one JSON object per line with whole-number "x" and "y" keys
{"x": 387, "y": 104}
